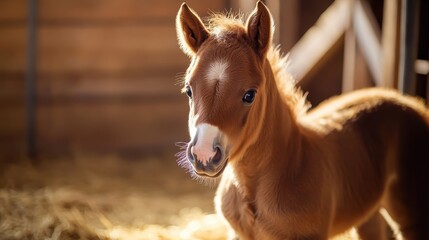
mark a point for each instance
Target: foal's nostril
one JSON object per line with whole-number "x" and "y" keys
{"x": 192, "y": 155}
{"x": 217, "y": 158}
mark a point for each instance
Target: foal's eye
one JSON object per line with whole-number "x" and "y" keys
{"x": 188, "y": 91}
{"x": 249, "y": 96}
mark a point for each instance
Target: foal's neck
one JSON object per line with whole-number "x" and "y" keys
{"x": 276, "y": 146}
{"x": 279, "y": 121}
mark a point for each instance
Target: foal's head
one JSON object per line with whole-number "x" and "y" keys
{"x": 225, "y": 83}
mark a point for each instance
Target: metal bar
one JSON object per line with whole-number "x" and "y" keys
{"x": 31, "y": 80}
{"x": 408, "y": 46}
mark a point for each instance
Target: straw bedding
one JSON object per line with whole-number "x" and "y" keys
{"x": 93, "y": 197}
{"x": 104, "y": 197}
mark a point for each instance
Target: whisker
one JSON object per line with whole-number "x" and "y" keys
{"x": 181, "y": 145}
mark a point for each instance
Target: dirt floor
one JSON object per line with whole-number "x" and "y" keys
{"x": 104, "y": 197}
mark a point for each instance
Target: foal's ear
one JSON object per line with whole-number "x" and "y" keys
{"x": 260, "y": 29}
{"x": 190, "y": 30}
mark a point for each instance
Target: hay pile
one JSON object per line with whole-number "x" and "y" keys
{"x": 104, "y": 198}
{"x": 34, "y": 215}
{"x": 43, "y": 215}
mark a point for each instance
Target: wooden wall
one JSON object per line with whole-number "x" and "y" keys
{"x": 106, "y": 71}
{"x": 106, "y": 74}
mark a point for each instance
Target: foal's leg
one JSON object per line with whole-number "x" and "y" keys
{"x": 410, "y": 210}
{"x": 374, "y": 228}
{"x": 407, "y": 199}
{"x": 408, "y": 196}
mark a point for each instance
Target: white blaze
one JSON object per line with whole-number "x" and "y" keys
{"x": 203, "y": 148}
{"x": 217, "y": 70}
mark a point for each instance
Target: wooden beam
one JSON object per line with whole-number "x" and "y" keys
{"x": 349, "y": 64}
{"x": 355, "y": 70}
{"x": 318, "y": 40}
{"x": 350, "y": 51}
{"x": 390, "y": 44}
{"x": 368, "y": 38}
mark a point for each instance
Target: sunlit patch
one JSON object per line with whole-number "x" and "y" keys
{"x": 217, "y": 32}
{"x": 217, "y": 70}
{"x": 191, "y": 224}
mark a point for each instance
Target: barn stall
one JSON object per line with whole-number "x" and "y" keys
{"x": 90, "y": 110}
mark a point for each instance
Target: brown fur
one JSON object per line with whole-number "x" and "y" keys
{"x": 298, "y": 174}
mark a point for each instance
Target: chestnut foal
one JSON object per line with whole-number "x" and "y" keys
{"x": 290, "y": 173}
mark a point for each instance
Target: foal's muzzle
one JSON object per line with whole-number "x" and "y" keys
{"x": 211, "y": 168}
{"x": 206, "y": 153}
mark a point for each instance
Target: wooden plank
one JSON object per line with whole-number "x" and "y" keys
{"x": 318, "y": 40}
{"x": 390, "y": 44}
{"x": 89, "y": 127}
{"x": 109, "y": 49}
{"x": 95, "y": 49}
{"x": 12, "y": 90}
{"x": 349, "y": 65}
{"x": 368, "y": 38}
{"x": 12, "y": 121}
{"x": 109, "y": 86}
{"x": 13, "y": 49}
{"x": 104, "y": 10}
{"x": 355, "y": 70}
{"x": 13, "y": 10}
{"x": 363, "y": 77}
{"x": 112, "y": 127}
{"x": 362, "y": 53}
{"x": 93, "y": 88}
{"x": 12, "y": 130}
{"x": 73, "y": 119}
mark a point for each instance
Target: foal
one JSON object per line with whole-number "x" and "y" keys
{"x": 289, "y": 173}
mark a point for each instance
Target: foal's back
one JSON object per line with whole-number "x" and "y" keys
{"x": 380, "y": 141}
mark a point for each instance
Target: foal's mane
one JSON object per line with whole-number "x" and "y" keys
{"x": 230, "y": 24}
